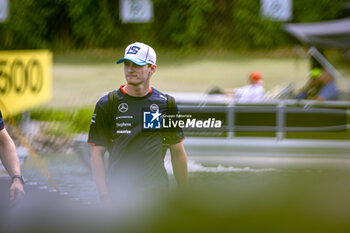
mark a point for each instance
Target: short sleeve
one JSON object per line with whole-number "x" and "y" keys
{"x": 99, "y": 133}
{"x": 2, "y": 124}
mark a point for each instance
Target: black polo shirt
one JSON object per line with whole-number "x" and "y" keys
{"x": 135, "y": 153}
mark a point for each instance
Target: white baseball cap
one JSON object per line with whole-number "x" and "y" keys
{"x": 140, "y": 54}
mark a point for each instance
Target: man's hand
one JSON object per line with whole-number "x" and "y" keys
{"x": 318, "y": 98}
{"x": 16, "y": 191}
{"x": 9, "y": 159}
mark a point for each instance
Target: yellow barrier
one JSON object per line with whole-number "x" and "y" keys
{"x": 25, "y": 79}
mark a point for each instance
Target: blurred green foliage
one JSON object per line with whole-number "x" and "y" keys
{"x": 67, "y": 121}
{"x": 177, "y": 24}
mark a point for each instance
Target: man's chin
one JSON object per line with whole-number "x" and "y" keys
{"x": 133, "y": 83}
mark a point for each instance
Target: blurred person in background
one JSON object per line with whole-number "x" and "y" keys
{"x": 321, "y": 86}
{"x": 254, "y": 91}
{"x": 9, "y": 159}
{"x": 136, "y": 163}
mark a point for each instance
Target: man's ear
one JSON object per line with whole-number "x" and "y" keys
{"x": 153, "y": 68}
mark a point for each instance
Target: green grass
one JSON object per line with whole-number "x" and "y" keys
{"x": 64, "y": 121}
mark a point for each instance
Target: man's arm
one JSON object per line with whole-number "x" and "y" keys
{"x": 9, "y": 158}
{"x": 98, "y": 170}
{"x": 179, "y": 162}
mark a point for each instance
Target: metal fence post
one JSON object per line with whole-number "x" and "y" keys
{"x": 230, "y": 116}
{"x": 280, "y": 120}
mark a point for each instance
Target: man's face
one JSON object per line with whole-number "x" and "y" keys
{"x": 316, "y": 81}
{"x": 325, "y": 77}
{"x": 135, "y": 74}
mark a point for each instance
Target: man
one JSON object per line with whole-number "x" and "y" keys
{"x": 321, "y": 86}
{"x": 136, "y": 163}
{"x": 9, "y": 158}
{"x": 252, "y": 92}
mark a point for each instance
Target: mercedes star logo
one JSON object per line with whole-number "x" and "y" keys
{"x": 123, "y": 107}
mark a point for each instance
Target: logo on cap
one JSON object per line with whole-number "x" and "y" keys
{"x": 133, "y": 50}
{"x": 140, "y": 54}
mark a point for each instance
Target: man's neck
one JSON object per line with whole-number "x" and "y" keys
{"x": 137, "y": 91}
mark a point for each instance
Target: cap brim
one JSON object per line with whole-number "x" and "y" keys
{"x": 138, "y": 62}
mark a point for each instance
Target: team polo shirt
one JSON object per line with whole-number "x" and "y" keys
{"x": 2, "y": 124}
{"x": 135, "y": 154}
